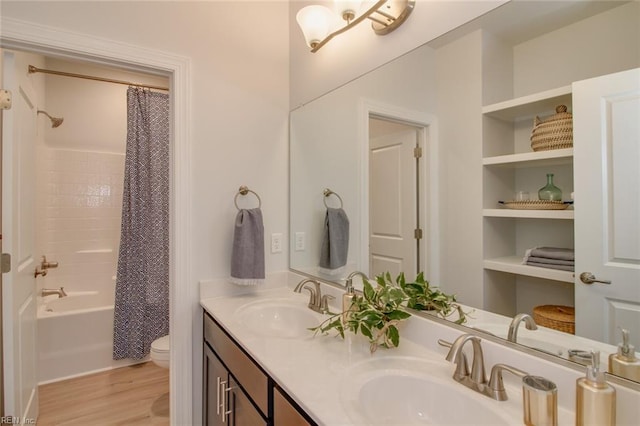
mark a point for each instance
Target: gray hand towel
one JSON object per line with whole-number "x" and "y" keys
{"x": 247, "y": 255}
{"x": 335, "y": 241}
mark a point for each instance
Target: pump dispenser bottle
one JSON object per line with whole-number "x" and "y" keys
{"x": 347, "y": 297}
{"x": 347, "y": 300}
{"x": 595, "y": 398}
{"x": 624, "y": 363}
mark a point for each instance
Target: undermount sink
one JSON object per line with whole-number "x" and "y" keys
{"x": 536, "y": 339}
{"x": 282, "y": 318}
{"x": 411, "y": 391}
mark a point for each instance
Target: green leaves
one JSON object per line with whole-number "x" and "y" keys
{"x": 377, "y": 312}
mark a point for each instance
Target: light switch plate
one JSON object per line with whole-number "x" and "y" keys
{"x": 276, "y": 243}
{"x": 300, "y": 241}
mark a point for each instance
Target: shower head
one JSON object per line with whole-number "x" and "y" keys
{"x": 55, "y": 121}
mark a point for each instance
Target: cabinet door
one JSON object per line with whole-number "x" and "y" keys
{"x": 285, "y": 414}
{"x": 241, "y": 410}
{"x": 215, "y": 382}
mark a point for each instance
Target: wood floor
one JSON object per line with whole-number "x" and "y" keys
{"x": 136, "y": 395}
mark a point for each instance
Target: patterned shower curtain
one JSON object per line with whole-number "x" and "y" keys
{"x": 141, "y": 311}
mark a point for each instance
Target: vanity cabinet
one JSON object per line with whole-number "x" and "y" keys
{"x": 509, "y": 166}
{"x": 236, "y": 391}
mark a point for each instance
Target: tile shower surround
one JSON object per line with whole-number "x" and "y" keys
{"x": 78, "y": 217}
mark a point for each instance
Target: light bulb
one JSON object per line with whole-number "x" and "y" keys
{"x": 315, "y": 23}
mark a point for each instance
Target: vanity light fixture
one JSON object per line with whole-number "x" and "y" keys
{"x": 318, "y": 22}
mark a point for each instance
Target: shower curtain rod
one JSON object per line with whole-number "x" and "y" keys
{"x": 33, "y": 69}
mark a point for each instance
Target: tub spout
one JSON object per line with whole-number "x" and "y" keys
{"x": 49, "y": 291}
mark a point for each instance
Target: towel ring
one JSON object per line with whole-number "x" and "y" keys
{"x": 244, "y": 191}
{"x": 328, "y": 192}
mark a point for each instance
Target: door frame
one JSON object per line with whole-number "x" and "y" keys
{"x": 429, "y": 217}
{"x": 24, "y": 36}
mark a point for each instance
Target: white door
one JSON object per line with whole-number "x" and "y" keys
{"x": 607, "y": 218}
{"x": 18, "y": 215}
{"x": 393, "y": 203}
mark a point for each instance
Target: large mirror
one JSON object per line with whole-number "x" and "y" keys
{"x": 401, "y": 170}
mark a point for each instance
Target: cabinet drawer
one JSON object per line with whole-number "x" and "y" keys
{"x": 246, "y": 372}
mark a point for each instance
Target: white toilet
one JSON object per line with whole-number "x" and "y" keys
{"x": 160, "y": 351}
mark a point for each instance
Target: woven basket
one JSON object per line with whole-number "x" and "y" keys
{"x": 554, "y": 132}
{"x": 561, "y": 318}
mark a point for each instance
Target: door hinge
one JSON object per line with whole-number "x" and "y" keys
{"x": 417, "y": 233}
{"x": 5, "y": 99}
{"x": 5, "y": 263}
{"x": 417, "y": 152}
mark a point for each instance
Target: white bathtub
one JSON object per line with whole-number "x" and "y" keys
{"x": 75, "y": 335}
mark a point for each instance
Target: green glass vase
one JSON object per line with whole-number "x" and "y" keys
{"x": 550, "y": 192}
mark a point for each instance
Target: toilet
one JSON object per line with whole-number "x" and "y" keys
{"x": 160, "y": 351}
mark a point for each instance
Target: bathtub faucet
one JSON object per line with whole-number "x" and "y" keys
{"x": 49, "y": 291}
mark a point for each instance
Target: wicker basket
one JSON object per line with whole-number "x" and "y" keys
{"x": 561, "y": 318}
{"x": 555, "y": 132}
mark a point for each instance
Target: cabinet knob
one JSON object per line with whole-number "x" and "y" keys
{"x": 589, "y": 278}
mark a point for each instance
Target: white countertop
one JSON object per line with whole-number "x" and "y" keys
{"x": 315, "y": 371}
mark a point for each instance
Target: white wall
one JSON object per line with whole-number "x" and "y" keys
{"x": 239, "y": 107}
{"x": 240, "y": 100}
{"x": 459, "y": 91}
{"x": 603, "y": 44}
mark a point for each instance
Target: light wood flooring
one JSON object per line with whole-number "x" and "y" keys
{"x": 135, "y": 395}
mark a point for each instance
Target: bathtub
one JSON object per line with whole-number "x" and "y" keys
{"x": 75, "y": 335}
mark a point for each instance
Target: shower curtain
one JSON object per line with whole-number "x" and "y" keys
{"x": 141, "y": 311}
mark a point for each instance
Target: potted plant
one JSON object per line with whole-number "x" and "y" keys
{"x": 377, "y": 312}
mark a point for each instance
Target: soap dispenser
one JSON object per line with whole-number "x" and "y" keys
{"x": 595, "y": 398}
{"x": 624, "y": 363}
{"x": 347, "y": 301}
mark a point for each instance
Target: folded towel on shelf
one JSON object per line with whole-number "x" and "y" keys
{"x": 552, "y": 253}
{"x": 335, "y": 241}
{"x": 550, "y": 261}
{"x": 247, "y": 254}
{"x": 570, "y": 268}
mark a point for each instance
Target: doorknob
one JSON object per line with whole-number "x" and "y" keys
{"x": 589, "y": 278}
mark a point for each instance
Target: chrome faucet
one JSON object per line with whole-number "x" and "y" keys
{"x": 49, "y": 291}
{"x": 317, "y": 301}
{"x": 515, "y": 323}
{"x": 349, "y": 282}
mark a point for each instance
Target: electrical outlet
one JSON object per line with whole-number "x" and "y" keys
{"x": 276, "y": 243}
{"x": 300, "y": 237}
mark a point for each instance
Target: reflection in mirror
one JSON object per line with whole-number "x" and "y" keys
{"x": 395, "y": 172}
{"x": 471, "y": 97}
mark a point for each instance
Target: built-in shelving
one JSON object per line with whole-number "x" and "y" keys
{"x": 529, "y": 214}
{"x": 510, "y": 165}
{"x": 514, "y": 265}
{"x": 556, "y": 157}
{"x": 529, "y": 106}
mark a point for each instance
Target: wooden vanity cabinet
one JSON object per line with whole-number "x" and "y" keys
{"x": 285, "y": 413}
{"x": 236, "y": 391}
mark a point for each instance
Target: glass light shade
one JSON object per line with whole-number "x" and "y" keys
{"x": 348, "y": 7}
{"x": 315, "y": 23}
